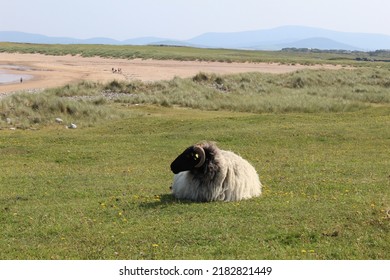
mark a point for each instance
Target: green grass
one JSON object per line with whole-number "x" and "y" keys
{"x": 187, "y": 53}
{"x": 102, "y": 192}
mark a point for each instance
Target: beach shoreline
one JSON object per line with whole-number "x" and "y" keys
{"x": 48, "y": 71}
{"x": 11, "y": 74}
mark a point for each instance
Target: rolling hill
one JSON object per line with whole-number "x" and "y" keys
{"x": 265, "y": 39}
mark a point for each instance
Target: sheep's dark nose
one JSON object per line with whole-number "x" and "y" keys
{"x": 174, "y": 169}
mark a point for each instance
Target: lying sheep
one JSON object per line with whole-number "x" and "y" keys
{"x": 205, "y": 173}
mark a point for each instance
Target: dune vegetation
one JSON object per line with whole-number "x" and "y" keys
{"x": 306, "y": 91}
{"x": 162, "y": 52}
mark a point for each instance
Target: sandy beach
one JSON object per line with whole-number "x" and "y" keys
{"x": 51, "y": 71}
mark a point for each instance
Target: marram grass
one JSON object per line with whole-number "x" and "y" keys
{"x": 310, "y": 91}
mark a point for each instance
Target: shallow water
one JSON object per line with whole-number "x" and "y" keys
{"x": 13, "y": 78}
{"x": 8, "y": 78}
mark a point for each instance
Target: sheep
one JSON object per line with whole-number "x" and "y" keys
{"x": 205, "y": 173}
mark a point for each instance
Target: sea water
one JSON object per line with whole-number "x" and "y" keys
{"x": 13, "y": 78}
{"x": 7, "y": 78}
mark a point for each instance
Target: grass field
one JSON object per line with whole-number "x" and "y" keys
{"x": 320, "y": 141}
{"x": 186, "y": 53}
{"x": 103, "y": 192}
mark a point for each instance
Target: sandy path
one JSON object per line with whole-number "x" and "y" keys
{"x": 51, "y": 71}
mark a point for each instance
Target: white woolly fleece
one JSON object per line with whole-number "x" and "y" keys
{"x": 235, "y": 179}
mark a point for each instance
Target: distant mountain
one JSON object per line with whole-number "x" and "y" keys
{"x": 266, "y": 39}
{"x": 287, "y": 36}
{"x": 318, "y": 43}
{"x": 96, "y": 41}
{"x": 143, "y": 41}
{"x": 22, "y": 37}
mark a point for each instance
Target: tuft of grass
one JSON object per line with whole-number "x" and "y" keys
{"x": 84, "y": 88}
{"x": 25, "y": 110}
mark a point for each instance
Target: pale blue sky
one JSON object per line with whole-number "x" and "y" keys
{"x": 175, "y": 19}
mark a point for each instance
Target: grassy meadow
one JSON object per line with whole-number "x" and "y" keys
{"x": 188, "y": 53}
{"x": 320, "y": 141}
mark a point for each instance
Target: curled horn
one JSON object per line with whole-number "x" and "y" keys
{"x": 199, "y": 150}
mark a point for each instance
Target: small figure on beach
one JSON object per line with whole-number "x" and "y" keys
{"x": 21, "y": 79}
{"x": 119, "y": 70}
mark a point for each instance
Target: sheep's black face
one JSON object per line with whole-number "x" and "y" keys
{"x": 188, "y": 160}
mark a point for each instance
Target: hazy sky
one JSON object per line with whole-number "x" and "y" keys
{"x": 184, "y": 19}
